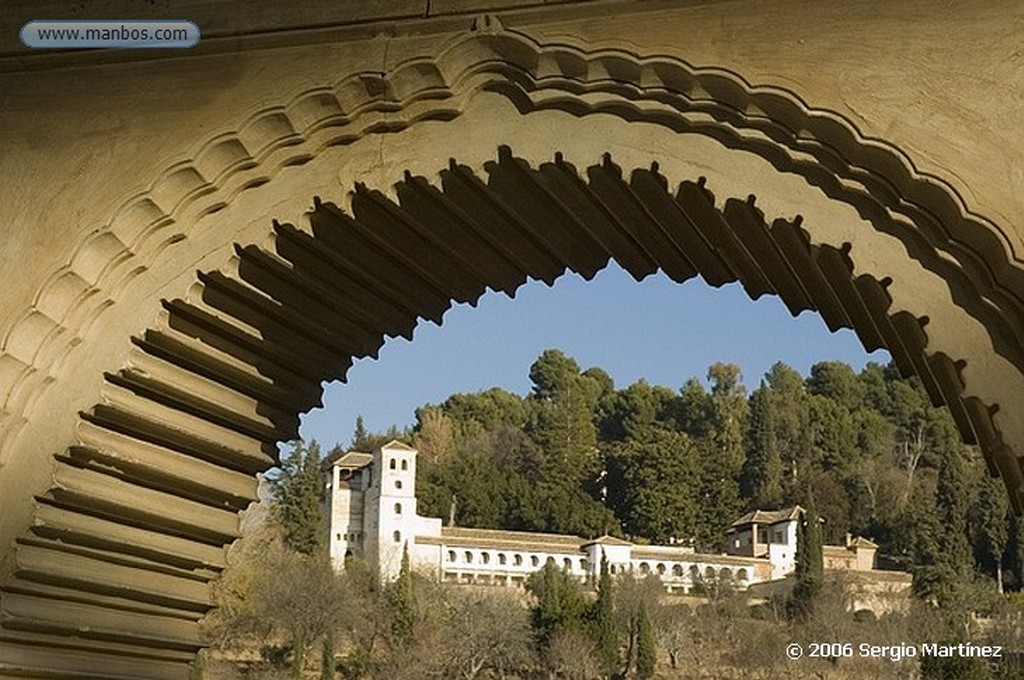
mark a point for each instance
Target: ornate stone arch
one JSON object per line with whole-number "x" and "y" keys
{"x": 118, "y": 545}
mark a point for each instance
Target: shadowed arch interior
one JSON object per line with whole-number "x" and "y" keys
{"x": 127, "y": 540}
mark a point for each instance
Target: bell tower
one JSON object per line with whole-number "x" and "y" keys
{"x": 392, "y": 500}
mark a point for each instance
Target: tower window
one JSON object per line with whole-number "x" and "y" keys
{"x": 398, "y": 483}
{"x": 405, "y": 465}
{"x": 392, "y": 464}
{"x": 397, "y": 536}
{"x": 398, "y": 508}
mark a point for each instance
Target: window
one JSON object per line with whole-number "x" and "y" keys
{"x": 397, "y": 536}
{"x": 518, "y": 560}
{"x": 469, "y": 557}
{"x": 501, "y": 558}
{"x": 339, "y": 537}
{"x": 398, "y": 483}
{"x": 405, "y": 465}
{"x": 392, "y": 464}
{"x": 660, "y": 569}
{"x": 645, "y": 568}
{"x": 486, "y": 557}
{"x": 534, "y": 561}
{"x": 567, "y": 564}
{"x": 451, "y": 555}
{"x": 677, "y": 571}
{"x": 398, "y": 508}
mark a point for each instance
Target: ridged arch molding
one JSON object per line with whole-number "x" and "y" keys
{"x": 114, "y": 573}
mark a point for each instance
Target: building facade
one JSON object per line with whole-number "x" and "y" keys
{"x": 373, "y": 516}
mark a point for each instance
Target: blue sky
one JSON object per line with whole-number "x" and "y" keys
{"x": 656, "y": 329}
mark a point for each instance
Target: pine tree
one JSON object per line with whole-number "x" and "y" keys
{"x": 360, "y": 438}
{"x": 403, "y": 607}
{"x": 299, "y": 491}
{"x": 646, "y": 651}
{"x": 604, "y": 621}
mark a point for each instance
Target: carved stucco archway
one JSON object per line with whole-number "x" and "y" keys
{"x": 223, "y": 299}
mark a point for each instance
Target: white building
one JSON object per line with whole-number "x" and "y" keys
{"x": 768, "y": 534}
{"x": 373, "y": 515}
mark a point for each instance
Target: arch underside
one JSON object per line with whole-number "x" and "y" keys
{"x": 114, "y": 573}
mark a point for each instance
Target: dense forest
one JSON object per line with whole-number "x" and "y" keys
{"x": 867, "y": 451}
{"x": 651, "y": 463}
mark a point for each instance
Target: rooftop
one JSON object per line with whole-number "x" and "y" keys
{"x": 353, "y": 459}
{"x": 510, "y": 540}
{"x": 769, "y": 516}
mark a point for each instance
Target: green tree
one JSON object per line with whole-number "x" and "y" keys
{"x": 360, "y": 437}
{"x": 632, "y": 412}
{"x": 652, "y": 483}
{"x": 790, "y": 418}
{"x": 327, "y": 657}
{"x": 762, "y": 475}
{"x": 952, "y": 497}
{"x": 485, "y": 411}
{"x": 809, "y": 562}
{"x": 563, "y": 423}
{"x": 605, "y": 632}
{"x": 721, "y": 452}
{"x": 990, "y": 522}
{"x": 729, "y": 414}
{"x": 692, "y": 411}
{"x": 403, "y": 606}
{"x": 298, "y": 489}
{"x": 718, "y": 497}
{"x": 835, "y": 380}
{"x": 646, "y": 649}
{"x": 561, "y": 605}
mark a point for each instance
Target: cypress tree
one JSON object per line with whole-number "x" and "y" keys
{"x": 646, "y": 651}
{"x": 327, "y": 658}
{"x": 604, "y": 619}
{"x": 561, "y": 606}
{"x": 809, "y": 562}
{"x": 761, "y": 478}
{"x": 360, "y": 437}
{"x": 403, "y": 607}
